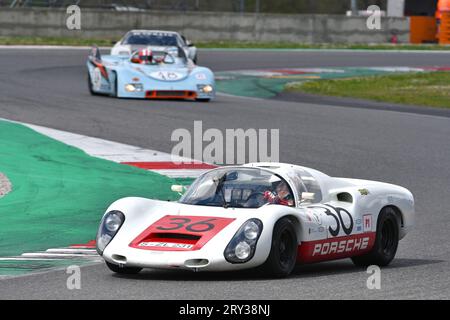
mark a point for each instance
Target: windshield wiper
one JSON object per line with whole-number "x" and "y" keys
{"x": 220, "y": 181}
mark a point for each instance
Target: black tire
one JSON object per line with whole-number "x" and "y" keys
{"x": 386, "y": 241}
{"x": 283, "y": 252}
{"x": 122, "y": 270}
{"x": 203, "y": 100}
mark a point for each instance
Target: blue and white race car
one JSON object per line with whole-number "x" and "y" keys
{"x": 161, "y": 73}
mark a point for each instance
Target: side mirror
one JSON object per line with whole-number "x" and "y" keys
{"x": 189, "y": 43}
{"x": 308, "y": 196}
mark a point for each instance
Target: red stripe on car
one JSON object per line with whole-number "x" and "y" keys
{"x": 335, "y": 248}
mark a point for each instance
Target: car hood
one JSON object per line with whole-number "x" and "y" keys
{"x": 163, "y": 72}
{"x": 169, "y": 226}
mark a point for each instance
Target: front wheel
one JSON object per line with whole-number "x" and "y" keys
{"x": 122, "y": 270}
{"x": 386, "y": 241}
{"x": 90, "y": 86}
{"x": 114, "y": 92}
{"x": 283, "y": 252}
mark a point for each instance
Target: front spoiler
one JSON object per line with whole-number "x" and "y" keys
{"x": 166, "y": 95}
{"x": 197, "y": 260}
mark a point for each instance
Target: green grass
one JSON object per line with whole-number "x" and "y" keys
{"x": 70, "y": 41}
{"x": 54, "y": 41}
{"x": 292, "y": 45}
{"x": 424, "y": 89}
{"x": 59, "y": 193}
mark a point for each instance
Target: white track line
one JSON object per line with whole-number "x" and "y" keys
{"x": 29, "y": 259}
{"x": 56, "y": 255}
{"x": 73, "y": 251}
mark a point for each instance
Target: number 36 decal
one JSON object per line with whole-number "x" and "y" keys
{"x": 191, "y": 224}
{"x": 180, "y": 223}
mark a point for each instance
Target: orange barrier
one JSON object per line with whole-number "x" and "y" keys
{"x": 442, "y": 6}
{"x": 444, "y": 28}
{"x": 422, "y": 29}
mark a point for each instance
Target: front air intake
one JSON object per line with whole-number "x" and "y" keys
{"x": 172, "y": 94}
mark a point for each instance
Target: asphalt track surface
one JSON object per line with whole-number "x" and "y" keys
{"x": 49, "y": 88}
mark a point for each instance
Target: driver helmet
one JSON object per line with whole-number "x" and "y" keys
{"x": 279, "y": 186}
{"x": 145, "y": 56}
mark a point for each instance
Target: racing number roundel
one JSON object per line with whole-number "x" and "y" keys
{"x": 166, "y": 75}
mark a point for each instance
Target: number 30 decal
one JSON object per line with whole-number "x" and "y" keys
{"x": 337, "y": 216}
{"x": 179, "y": 223}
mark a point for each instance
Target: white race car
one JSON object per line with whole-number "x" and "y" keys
{"x": 267, "y": 215}
{"x": 135, "y": 40}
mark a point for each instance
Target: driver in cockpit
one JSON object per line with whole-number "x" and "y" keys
{"x": 143, "y": 56}
{"x": 147, "y": 56}
{"x": 281, "y": 195}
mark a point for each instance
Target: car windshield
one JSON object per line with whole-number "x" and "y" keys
{"x": 157, "y": 58}
{"x": 151, "y": 39}
{"x": 238, "y": 188}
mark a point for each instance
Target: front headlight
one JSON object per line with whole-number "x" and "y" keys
{"x": 243, "y": 245}
{"x": 242, "y": 250}
{"x": 205, "y": 88}
{"x": 132, "y": 87}
{"x": 113, "y": 222}
{"x": 110, "y": 224}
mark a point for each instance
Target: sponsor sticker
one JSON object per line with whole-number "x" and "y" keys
{"x": 364, "y": 191}
{"x": 97, "y": 79}
{"x": 343, "y": 246}
{"x": 200, "y": 76}
{"x": 166, "y": 245}
{"x": 367, "y": 223}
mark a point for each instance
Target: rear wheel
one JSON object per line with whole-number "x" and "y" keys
{"x": 122, "y": 270}
{"x": 386, "y": 241}
{"x": 283, "y": 252}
